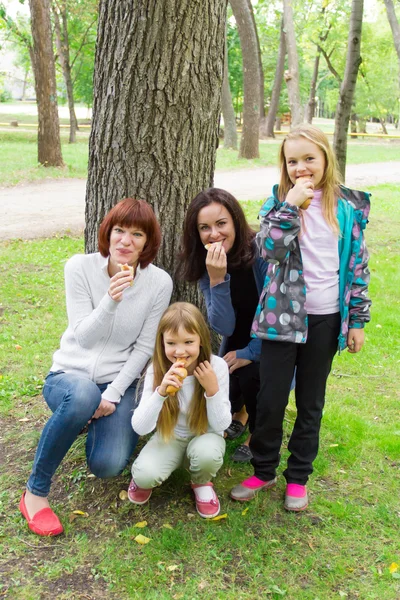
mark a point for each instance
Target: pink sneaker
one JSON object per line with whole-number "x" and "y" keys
{"x": 138, "y": 495}
{"x": 296, "y": 497}
{"x": 207, "y": 503}
{"x": 247, "y": 490}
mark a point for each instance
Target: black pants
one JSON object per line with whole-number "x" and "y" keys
{"x": 278, "y": 361}
{"x": 244, "y": 385}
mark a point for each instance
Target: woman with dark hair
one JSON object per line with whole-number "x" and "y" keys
{"x": 115, "y": 299}
{"x": 219, "y": 252}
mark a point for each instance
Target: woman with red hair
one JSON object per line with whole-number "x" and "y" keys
{"x": 115, "y": 299}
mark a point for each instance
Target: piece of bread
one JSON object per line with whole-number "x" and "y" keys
{"x": 171, "y": 389}
{"x": 127, "y": 268}
{"x": 306, "y": 202}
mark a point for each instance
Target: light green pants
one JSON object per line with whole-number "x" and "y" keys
{"x": 204, "y": 455}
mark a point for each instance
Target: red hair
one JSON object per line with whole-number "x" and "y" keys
{"x": 132, "y": 213}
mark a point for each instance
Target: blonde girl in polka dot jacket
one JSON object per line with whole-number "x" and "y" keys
{"x": 314, "y": 302}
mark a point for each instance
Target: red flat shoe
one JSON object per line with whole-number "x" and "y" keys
{"x": 45, "y": 522}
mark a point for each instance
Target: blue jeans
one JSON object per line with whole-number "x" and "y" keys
{"x": 110, "y": 441}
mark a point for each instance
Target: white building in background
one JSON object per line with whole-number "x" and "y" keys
{"x": 12, "y": 78}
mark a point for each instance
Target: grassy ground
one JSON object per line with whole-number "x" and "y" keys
{"x": 345, "y": 546}
{"x": 18, "y": 156}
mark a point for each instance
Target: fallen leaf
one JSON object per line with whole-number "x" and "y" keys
{"x": 24, "y": 420}
{"x": 393, "y": 567}
{"x": 172, "y": 567}
{"x": 123, "y": 495}
{"x": 167, "y": 526}
{"x": 245, "y": 511}
{"x": 91, "y": 476}
{"x": 333, "y": 445}
{"x": 141, "y": 524}
{"x": 80, "y": 513}
{"x": 18, "y": 347}
{"x": 190, "y": 515}
{"x": 224, "y": 516}
{"x": 142, "y": 539}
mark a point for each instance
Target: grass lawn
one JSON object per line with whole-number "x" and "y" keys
{"x": 18, "y": 156}
{"x": 345, "y": 546}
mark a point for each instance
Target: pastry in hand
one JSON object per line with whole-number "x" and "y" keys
{"x": 307, "y": 201}
{"x": 127, "y": 268}
{"x": 182, "y": 373}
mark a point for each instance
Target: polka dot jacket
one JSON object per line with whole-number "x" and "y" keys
{"x": 281, "y": 313}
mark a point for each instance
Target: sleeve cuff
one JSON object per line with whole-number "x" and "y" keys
{"x": 111, "y": 394}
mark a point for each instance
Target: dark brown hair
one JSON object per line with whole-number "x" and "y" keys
{"x": 132, "y": 213}
{"x": 193, "y": 254}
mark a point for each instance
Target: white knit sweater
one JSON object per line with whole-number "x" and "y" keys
{"x": 108, "y": 341}
{"x": 219, "y": 416}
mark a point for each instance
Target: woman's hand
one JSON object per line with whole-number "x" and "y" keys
{"x": 104, "y": 409}
{"x": 216, "y": 263}
{"x": 171, "y": 377}
{"x": 207, "y": 378}
{"x": 355, "y": 340}
{"x": 235, "y": 363}
{"x": 118, "y": 283}
{"x": 300, "y": 192}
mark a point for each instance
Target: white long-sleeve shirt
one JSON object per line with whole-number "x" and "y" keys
{"x": 219, "y": 416}
{"x": 110, "y": 341}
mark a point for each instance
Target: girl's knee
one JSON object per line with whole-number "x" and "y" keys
{"x": 207, "y": 449}
{"x": 147, "y": 474}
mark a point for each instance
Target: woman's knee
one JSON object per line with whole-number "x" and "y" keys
{"x": 79, "y": 394}
{"x": 106, "y": 468}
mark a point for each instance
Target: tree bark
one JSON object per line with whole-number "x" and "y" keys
{"x": 260, "y": 65}
{"x": 268, "y": 128}
{"x": 347, "y": 89}
{"x": 249, "y": 144}
{"x": 49, "y": 146}
{"x": 395, "y": 26}
{"x": 62, "y": 43}
{"x": 292, "y": 74}
{"x": 228, "y": 112}
{"x": 157, "y": 101}
{"x": 310, "y": 109}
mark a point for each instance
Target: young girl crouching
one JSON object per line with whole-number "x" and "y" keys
{"x": 189, "y": 424}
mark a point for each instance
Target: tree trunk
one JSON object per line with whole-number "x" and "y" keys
{"x": 62, "y": 43}
{"x": 347, "y": 89}
{"x": 260, "y": 65}
{"x": 292, "y": 74}
{"x": 157, "y": 101}
{"x": 49, "y": 146}
{"x": 395, "y": 26}
{"x": 249, "y": 144}
{"x": 310, "y": 109}
{"x": 268, "y": 127}
{"x": 228, "y": 112}
{"x": 353, "y": 125}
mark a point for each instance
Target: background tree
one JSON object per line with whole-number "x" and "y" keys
{"x": 267, "y": 127}
{"x": 155, "y": 113}
{"x": 292, "y": 74}
{"x": 347, "y": 89}
{"x": 249, "y": 144}
{"x": 49, "y": 146}
{"x": 228, "y": 112}
{"x": 59, "y": 8}
{"x": 395, "y": 27}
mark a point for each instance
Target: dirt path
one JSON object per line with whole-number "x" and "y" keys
{"x": 58, "y": 206}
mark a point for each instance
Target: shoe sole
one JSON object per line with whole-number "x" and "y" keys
{"x": 209, "y": 516}
{"x": 295, "y": 509}
{"x": 139, "y": 503}
{"x": 263, "y": 489}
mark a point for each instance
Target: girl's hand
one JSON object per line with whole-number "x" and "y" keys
{"x": 171, "y": 378}
{"x": 118, "y": 283}
{"x": 300, "y": 192}
{"x": 235, "y": 363}
{"x": 207, "y": 378}
{"x": 216, "y": 263}
{"x": 355, "y": 340}
{"x": 104, "y": 409}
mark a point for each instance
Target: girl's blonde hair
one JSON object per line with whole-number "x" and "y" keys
{"x": 186, "y": 316}
{"x": 330, "y": 180}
